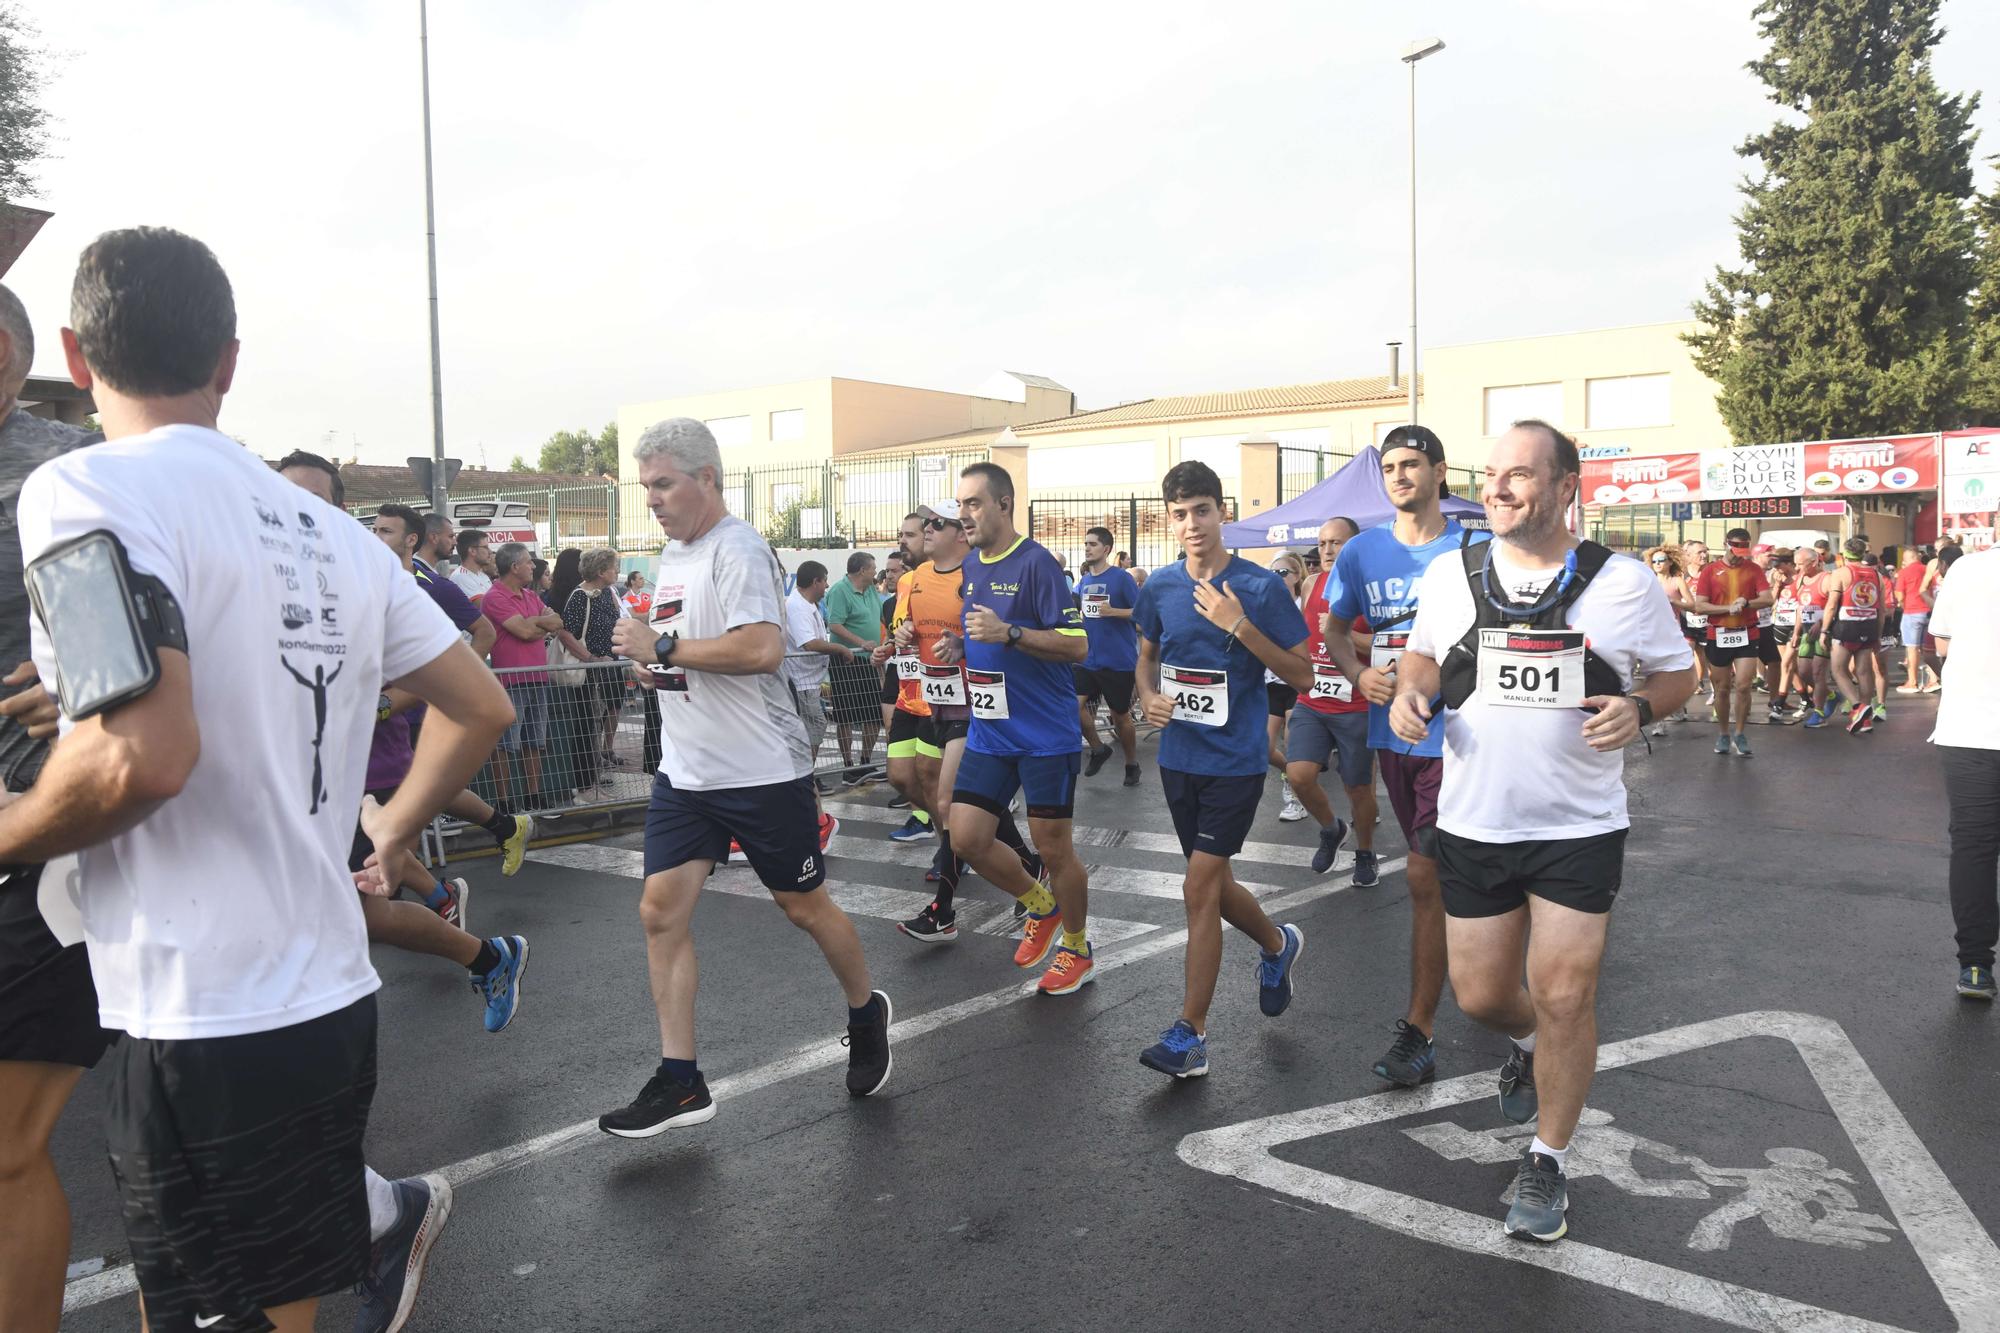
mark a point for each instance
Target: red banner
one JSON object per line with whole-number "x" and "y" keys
{"x": 1644, "y": 480}
{"x": 1891, "y": 465}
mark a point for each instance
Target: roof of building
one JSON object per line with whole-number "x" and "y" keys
{"x": 980, "y": 437}
{"x": 1242, "y": 402}
{"x": 1038, "y": 381}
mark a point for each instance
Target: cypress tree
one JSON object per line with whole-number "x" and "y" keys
{"x": 1848, "y": 315}
{"x": 1982, "y": 394}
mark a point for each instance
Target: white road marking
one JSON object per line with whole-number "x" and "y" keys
{"x": 1960, "y": 1257}
{"x": 819, "y": 1054}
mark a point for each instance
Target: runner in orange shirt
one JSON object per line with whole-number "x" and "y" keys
{"x": 1730, "y": 592}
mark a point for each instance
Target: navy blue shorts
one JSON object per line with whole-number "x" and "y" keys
{"x": 989, "y": 781}
{"x": 1212, "y": 815}
{"x": 777, "y": 826}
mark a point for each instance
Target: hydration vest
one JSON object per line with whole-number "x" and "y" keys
{"x": 1459, "y": 671}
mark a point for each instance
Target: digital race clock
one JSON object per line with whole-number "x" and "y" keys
{"x": 1769, "y": 506}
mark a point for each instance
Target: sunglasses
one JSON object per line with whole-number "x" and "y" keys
{"x": 1659, "y": 560}
{"x": 937, "y": 524}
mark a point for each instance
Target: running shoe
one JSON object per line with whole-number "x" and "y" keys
{"x": 1867, "y": 719}
{"x": 828, "y": 826}
{"x": 826, "y": 785}
{"x": 514, "y": 849}
{"x": 875, "y": 773}
{"x": 1909, "y": 687}
{"x": 1070, "y": 972}
{"x": 1722, "y": 745}
{"x": 1779, "y": 716}
{"x": 1881, "y": 712}
{"x": 1096, "y": 760}
{"x": 661, "y": 1105}
{"x": 1976, "y": 983}
{"x": 1679, "y": 714}
{"x": 1934, "y": 686}
{"x": 1180, "y": 1051}
{"x": 1329, "y": 846}
{"x": 1274, "y": 973}
{"x": 1855, "y": 719}
{"x": 931, "y": 926}
{"x": 868, "y": 1057}
{"x": 1038, "y": 936}
{"x": 1742, "y": 744}
{"x": 1131, "y": 775}
{"x": 396, "y": 1262}
{"x": 457, "y": 901}
{"x": 1293, "y": 811}
{"x": 1518, "y": 1101}
{"x": 1365, "y": 874}
{"x": 899, "y": 802}
{"x": 853, "y": 777}
{"x": 1541, "y": 1197}
{"x": 1817, "y": 718}
{"x": 1412, "y": 1058}
{"x": 913, "y": 830}
{"x": 501, "y": 988}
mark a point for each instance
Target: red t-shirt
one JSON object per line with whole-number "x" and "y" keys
{"x": 502, "y": 604}
{"x": 1722, "y": 583}
{"x": 1909, "y": 579}
{"x": 1327, "y": 676}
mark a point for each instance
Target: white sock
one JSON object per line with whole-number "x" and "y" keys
{"x": 382, "y": 1207}
{"x": 1526, "y": 1044}
{"x": 1560, "y": 1154}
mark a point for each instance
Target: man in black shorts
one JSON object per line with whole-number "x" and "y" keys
{"x": 1106, "y": 594}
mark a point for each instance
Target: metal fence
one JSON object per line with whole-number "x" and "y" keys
{"x": 1138, "y": 523}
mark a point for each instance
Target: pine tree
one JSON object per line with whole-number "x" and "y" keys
{"x": 1982, "y": 392}
{"x": 1848, "y": 316}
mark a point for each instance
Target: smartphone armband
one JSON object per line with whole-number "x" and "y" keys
{"x": 106, "y": 622}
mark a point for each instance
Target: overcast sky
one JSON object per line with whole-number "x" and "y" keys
{"x": 641, "y": 200}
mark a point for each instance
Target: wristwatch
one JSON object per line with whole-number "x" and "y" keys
{"x": 664, "y": 647}
{"x": 1645, "y": 709}
{"x": 1013, "y": 635}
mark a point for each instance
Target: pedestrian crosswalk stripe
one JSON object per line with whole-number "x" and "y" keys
{"x": 1085, "y": 835}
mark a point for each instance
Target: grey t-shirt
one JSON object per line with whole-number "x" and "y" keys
{"x": 26, "y": 442}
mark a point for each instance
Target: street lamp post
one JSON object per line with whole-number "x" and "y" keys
{"x": 1415, "y": 51}
{"x": 438, "y": 483}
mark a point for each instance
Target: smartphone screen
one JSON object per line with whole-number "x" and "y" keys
{"x": 83, "y": 601}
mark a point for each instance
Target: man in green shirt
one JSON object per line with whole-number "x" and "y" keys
{"x": 854, "y": 617}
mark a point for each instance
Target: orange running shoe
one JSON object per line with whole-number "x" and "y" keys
{"x": 1038, "y": 935}
{"x": 1070, "y": 972}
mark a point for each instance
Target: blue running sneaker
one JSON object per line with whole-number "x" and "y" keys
{"x": 1180, "y": 1051}
{"x": 1541, "y": 1197}
{"x": 1815, "y": 719}
{"x": 1329, "y": 846}
{"x": 1365, "y": 874}
{"x": 913, "y": 830}
{"x": 1412, "y": 1058}
{"x": 1742, "y": 744}
{"x": 1274, "y": 973}
{"x": 1518, "y": 1101}
{"x": 1976, "y": 983}
{"x": 396, "y": 1262}
{"x": 501, "y": 987}
{"x": 1722, "y": 745}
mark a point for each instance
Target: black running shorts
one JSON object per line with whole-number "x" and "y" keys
{"x": 48, "y": 1006}
{"x": 1491, "y": 878}
{"x": 1114, "y": 687}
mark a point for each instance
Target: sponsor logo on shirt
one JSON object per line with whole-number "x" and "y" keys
{"x": 295, "y": 616}
{"x": 268, "y": 517}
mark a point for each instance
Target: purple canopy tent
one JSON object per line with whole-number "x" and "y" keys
{"x": 1356, "y": 492}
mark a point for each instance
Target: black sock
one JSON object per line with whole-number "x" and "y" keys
{"x": 865, "y": 1014}
{"x": 501, "y": 826}
{"x": 1011, "y": 835}
{"x": 489, "y": 958}
{"x": 948, "y": 872}
{"x": 682, "y": 1072}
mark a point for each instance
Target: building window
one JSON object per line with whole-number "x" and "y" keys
{"x": 729, "y": 431}
{"x": 1519, "y": 402}
{"x": 788, "y": 425}
{"x": 1627, "y": 402}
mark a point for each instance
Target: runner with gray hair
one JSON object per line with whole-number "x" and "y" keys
{"x": 687, "y": 444}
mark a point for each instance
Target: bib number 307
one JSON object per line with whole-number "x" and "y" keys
{"x": 1531, "y": 668}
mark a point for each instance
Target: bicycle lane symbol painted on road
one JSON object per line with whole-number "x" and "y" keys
{"x": 1795, "y": 1194}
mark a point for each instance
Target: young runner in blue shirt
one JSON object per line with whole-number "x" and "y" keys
{"x": 1209, "y": 627}
{"x": 1106, "y": 594}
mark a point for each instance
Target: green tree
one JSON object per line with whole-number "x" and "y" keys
{"x": 24, "y": 132}
{"x": 1982, "y": 393}
{"x": 1848, "y": 315}
{"x": 580, "y": 453}
{"x": 520, "y": 464}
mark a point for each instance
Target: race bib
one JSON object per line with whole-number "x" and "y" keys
{"x": 1732, "y": 638}
{"x": 1694, "y": 621}
{"x": 1331, "y": 685}
{"x": 1200, "y": 696}
{"x": 1849, "y": 611}
{"x": 1786, "y": 616}
{"x": 1764, "y": 617}
{"x": 1094, "y": 604}
{"x": 908, "y": 666}
{"x": 1531, "y": 668}
{"x": 944, "y": 686}
{"x": 1388, "y": 648}
{"x": 1812, "y": 615}
{"x": 987, "y": 692}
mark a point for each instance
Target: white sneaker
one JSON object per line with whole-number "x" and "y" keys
{"x": 1293, "y": 811}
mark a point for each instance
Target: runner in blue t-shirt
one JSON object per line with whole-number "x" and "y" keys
{"x": 1106, "y": 594}
{"x": 1022, "y": 636}
{"x": 1376, "y": 578}
{"x": 1210, "y": 625}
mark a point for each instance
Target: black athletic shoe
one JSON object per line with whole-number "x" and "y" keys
{"x": 661, "y": 1105}
{"x": 1096, "y": 761}
{"x": 854, "y": 777}
{"x": 868, "y": 1058}
{"x": 899, "y": 802}
{"x": 1131, "y": 775}
{"x": 1412, "y": 1058}
{"x": 1518, "y": 1101}
{"x": 931, "y": 926}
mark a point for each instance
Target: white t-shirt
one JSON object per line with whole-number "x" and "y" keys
{"x": 804, "y": 622}
{"x": 230, "y": 909}
{"x": 1965, "y": 608}
{"x": 471, "y": 583}
{"x": 1525, "y": 774}
{"x": 716, "y": 731}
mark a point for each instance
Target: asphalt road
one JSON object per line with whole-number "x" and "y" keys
{"x": 1798, "y": 1130}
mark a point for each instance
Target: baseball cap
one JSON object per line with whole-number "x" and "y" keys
{"x": 1762, "y": 548}
{"x": 1420, "y": 438}
{"x": 946, "y": 510}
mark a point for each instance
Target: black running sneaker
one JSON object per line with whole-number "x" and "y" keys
{"x": 931, "y": 926}
{"x": 1365, "y": 874}
{"x": 661, "y": 1105}
{"x": 1517, "y": 1085}
{"x": 396, "y": 1261}
{"x": 1096, "y": 760}
{"x": 868, "y": 1058}
{"x": 899, "y": 802}
{"x": 1541, "y": 1197}
{"x": 1131, "y": 775}
{"x": 1412, "y": 1058}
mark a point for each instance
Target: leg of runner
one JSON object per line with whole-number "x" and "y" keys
{"x": 1565, "y": 950}
{"x": 1743, "y": 676}
{"x": 938, "y": 923}
{"x": 1057, "y": 912}
{"x": 1725, "y": 701}
{"x": 1412, "y": 782}
{"x": 1213, "y": 896}
{"x": 1086, "y": 719}
{"x": 34, "y": 1215}
{"x": 1846, "y": 680}
{"x": 1128, "y": 741}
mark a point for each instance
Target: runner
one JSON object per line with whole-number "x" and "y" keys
{"x": 1330, "y": 721}
{"x": 1536, "y": 635}
{"x": 1694, "y": 559}
{"x": 1785, "y": 633}
{"x": 1665, "y": 563}
{"x": 1279, "y": 697}
{"x": 912, "y": 760}
{"x": 1772, "y": 652}
{"x": 1855, "y": 611}
{"x": 1210, "y": 625}
{"x": 1919, "y": 672}
{"x": 1729, "y": 592}
{"x": 1022, "y": 636}
{"x": 733, "y": 766}
{"x": 1375, "y": 579}
{"x": 1967, "y": 638}
{"x": 1106, "y": 595}
{"x": 1811, "y": 660}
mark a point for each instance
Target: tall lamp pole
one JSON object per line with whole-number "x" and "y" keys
{"x": 1415, "y": 51}
{"x": 431, "y": 245}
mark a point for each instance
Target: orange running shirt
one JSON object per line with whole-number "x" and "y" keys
{"x": 935, "y": 606}
{"x": 1720, "y": 583}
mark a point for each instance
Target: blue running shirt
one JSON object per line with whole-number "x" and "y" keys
{"x": 1114, "y": 644}
{"x": 1376, "y": 578}
{"x": 1167, "y": 616}
{"x": 1023, "y": 586}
